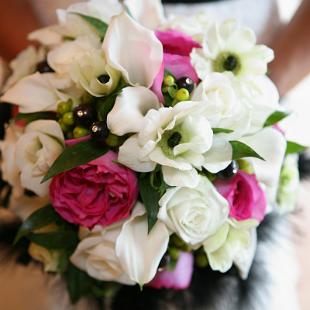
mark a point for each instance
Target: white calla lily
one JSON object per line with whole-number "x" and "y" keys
{"x": 125, "y": 45}
{"x": 194, "y": 214}
{"x": 130, "y": 108}
{"x": 36, "y": 151}
{"x": 39, "y": 92}
{"x": 149, "y": 13}
{"x": 271, "y": 145}
{"x": 140, "y": 251}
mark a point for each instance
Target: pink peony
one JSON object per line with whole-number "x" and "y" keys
{"x": 177, "y": 49}
{"x": 246, "y": 198}
{"x": 178, "y": 279}
{"x": 100, "y": 192}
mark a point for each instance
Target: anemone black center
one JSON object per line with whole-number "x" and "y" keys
{"x": 174, "y": 139}
{"x": 104, "y": 78}
{"x": 230, "y": 63}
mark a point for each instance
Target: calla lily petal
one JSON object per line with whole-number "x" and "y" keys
{"x": 271, "y": 145}
{"x": 140, "y": 252}
{"x": 120, "y": 46}
{"x": 130, "y": 108}
{"x": 149, "y": 13}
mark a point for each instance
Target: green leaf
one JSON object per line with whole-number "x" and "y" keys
{"x": 150, "y": 198}
{"x": 221, "y": 130}
{"x": 79, "y": 283}
{"x": 40, "y": 218}
{"x": 74, "y": 156}
{"x": 100, "y": 26}
{"x": 241, "y": 150}
{"x": 30, "y": 117}
{"x": 293, "y": 147}
{"x": 105, "y": 105}
{"x": 275, "y": 118}
{"x": 56, "y": 240}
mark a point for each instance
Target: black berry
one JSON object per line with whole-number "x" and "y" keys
{"x": 104, "y": 78}
{"x": 229, "y": 172}
{"x": 187, "y": 83}
{"x": 174, "y": 139}
{"x": 84, "y": 115}
{"x": 99, "y": 131}
{"x": 43, "y": 67}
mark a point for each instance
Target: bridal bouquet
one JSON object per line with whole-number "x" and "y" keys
{"x": 141, "y": 146}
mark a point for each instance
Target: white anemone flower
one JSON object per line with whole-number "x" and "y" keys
{"x": 176, "y": 138}
{"x": 229, "y": 47}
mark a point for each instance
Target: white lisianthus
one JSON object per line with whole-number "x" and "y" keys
{"x": 125, "y": 252}
{"x": 234, "y": 243}
{"x": 289, "y": 184}
{"x": 175, "y": 138}
{"x": 84, "y": 60}
{"x": 229, "y": 47}
{"x": 49, "y": 90}
{"x": 9, "y": 168}
{"x": 24, "y": 64}
{"x": 36, "y": 151}
{"x": 194, "y": 214}
{"x": 132, "y": 104}
{"x": 49, "y": 258}
{"x": 125, "y": 45}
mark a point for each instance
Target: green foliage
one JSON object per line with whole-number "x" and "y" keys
{"x": 31, "y": 117}
{"x": 293, "y": 147}
{"x": 74, "y": 156}
{"x": 100, "y": 26}
{"x": 275, "y": 118}
{"x": 221, "y": 130}
{"x": 241, "y": 150}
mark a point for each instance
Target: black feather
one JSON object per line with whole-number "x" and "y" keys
{"x": 304, "y": 166}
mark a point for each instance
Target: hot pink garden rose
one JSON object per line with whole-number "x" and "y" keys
{"x": 177, "y": 49}
{"x": 100, "y": 192}
{"x": 178, "y": 279}
{"x": 246, "y": 198}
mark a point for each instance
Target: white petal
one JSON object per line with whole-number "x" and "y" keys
{"x": 181, "y": 178}
{"x": 149, "y": 13}
{"x": 34, "y": 93}
{"x": 126, "y": 45}
{"x": 129, "y": 156}
{"x": 271, "y": 145}
{"x": 245, "y": 256}
{"x": 46, "y": 36}
{"x": 140, "y": 252}
{"x": 130, "y": 108}
{"x": 219, "y": 157}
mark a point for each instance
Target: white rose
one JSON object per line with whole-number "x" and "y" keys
{"x": 125, "y": 252}
{"x": 229, "y": 47}
{"x": 36, "y": 151}
{"x": 9, "y": 168}
{"x": 194, "y": 214}
{"x": 175, "y": 138}
{"x": 49, "y": 259}
{"x": 234, "y": 243}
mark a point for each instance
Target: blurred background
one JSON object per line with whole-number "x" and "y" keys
{"x": 269, "y": 19}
